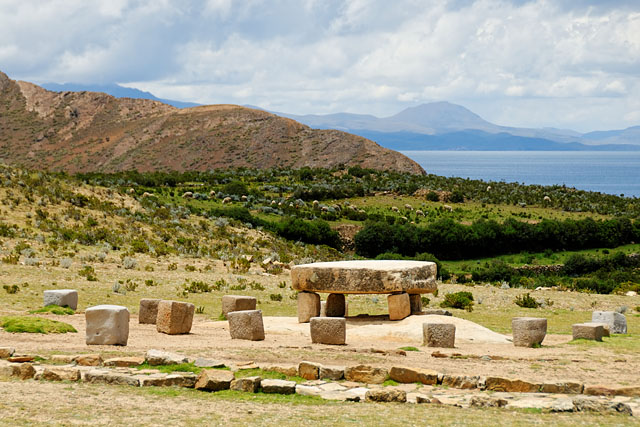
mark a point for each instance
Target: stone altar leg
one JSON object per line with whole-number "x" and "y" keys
{"x": 415, "y": 300}
{"x": 335, "y": 306}
{"x": 308, "y": 306}
{"x": 399, "y": 306}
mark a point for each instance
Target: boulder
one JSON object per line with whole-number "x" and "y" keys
{"x": 107, "y": 325}
{"x": 528, "y": 331}
{"x": 202, "y": 362}
{"x": 407, "y": 375}
{"x": 334, "y": 373}
{"x": 6, "y": 352}
{"x": 62, "y": 298}
{"x": 308, "y": 306}
{"x": 335, "y": 305}
{"x": 386, "y": 394}
{"x": 365, "y": 374}
{"x": 23, "y": 371}
{"x": 159, "y": 357}
{"x": 441, "y": 335}
{"x": 617, "y": 321}
{"x": 60, "y": 374}
{"x": 588, "y": 331}
{"x": 148, "y": 312}
{"x": 328, "y": 330}
{"x": 278, "y": 386}
{"x": 237, "y": 303}
{"x": 214, "y": 380}
{"x": 246, "y": 384}
{"x": 174, "y": 317}
{"x": 365, "y": 277}
{"x": 246, "y": 325}
{"x": 399, "y": 306}
{"x": 309, "y": 370}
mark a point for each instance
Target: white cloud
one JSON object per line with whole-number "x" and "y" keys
{"x": 532, "y": 63}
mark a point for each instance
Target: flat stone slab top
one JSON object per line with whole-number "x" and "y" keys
{"x": 366, "y": 277}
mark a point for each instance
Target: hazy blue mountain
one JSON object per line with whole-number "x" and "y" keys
{"x": 629, "y": 135}
{"x": 115, "y": 90}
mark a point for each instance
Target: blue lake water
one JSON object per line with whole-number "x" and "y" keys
{"x": 607, "y": 172}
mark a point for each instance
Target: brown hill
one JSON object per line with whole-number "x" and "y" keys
{"x": 89, "y": 131}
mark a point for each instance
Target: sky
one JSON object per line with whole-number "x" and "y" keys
{"x": 572, "y": 64}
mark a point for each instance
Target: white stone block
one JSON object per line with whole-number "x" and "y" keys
{"x": 62, "y": 298}
{"x": 107, "y": 325}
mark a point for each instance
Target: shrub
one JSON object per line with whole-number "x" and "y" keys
{"x": 526, "y": 301}
{"x": 89, "y": 273}
{"x": 197, "y": 287}
{"x": 66, "y": 262}
{"x": 462, "y": 300}
{"x": 172, "y": 267}
{"x": 425, "y": 301}
{"x": 432, "y": 196}
{"x": 129, "y": 263}
{"x": 275, "y": 297}
{"x": 11, "y": 289}
{"x": 190, "y": 268}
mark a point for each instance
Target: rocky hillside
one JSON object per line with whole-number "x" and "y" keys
{"x": 89, "y": 131}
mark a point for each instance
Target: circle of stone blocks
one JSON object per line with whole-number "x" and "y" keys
{"x": 439, "y": 335}
{"x": 246, "y": 325}
{"x": 148, "y": 311}
{"x": 399, "y": 306}
{"x": 237, "y": 303}
{"x": 617, "y": 321}
{"x": 107, "y": 325}
{"x": 328, "y": 330}
{"x": 415, "y": 301}
{"x": 335, "y": 305}
{"x": 528, "y": 331}
{"x": 62, "y": 298}
{"x": 587, "y": 331}
{"x": 174, "y": 317}
{"x": 308, "y": 306}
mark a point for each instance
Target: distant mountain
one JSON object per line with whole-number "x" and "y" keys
{"x": 92, "y": 131}
{"x": 116, "y": 91}
{"x": 446, "y": 126}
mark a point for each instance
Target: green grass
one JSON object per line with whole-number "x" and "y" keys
{"x": 34, "y": 325}
{"x": 409, "y": 348}
{"x": 619, "y": 343}
{"x": 54, "y": 309}
{"x": 167, "y": 369}
{"x": 389, "y": 383}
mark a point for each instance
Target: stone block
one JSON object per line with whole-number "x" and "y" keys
{"x": 61, "y": 374}
{"x": 461, "y": 381}
{"x": 399, "y": 306}
{"x": 159, "y": 357}
{"x": 606, "y": 332}
{"x": 62, "y": 298}
{"x": 148, "y": 312}
{"x": 528, "y": 331}
{"x": 365, "y": 374}
{"x": 124, "y": 362}
{"x": 335, "y": 305}
{"x": 107, "y": 325}
{"x": 563, "y": 388}
{"x": 237, "y": 303}
{"x": 308, "y": 306}
{"x": 439, "y": 335}
{"x": 171, "y": 380}
{"x": 407, "y": 375}
{"x": 507, "y": 385}
{"x": 246, "y": 384}
{"x": 214, "y": 380}
{"x": 588, "y": 331}
{"x": 309, "y": 370}
{"x": 246, "y": 325}
{"x": 617, "y": 321}
{"x": 174, "y": 317}
{"x": 202, "y": 362}
{"x": 415, "y": 301}
{"x": 386, "y": 394}
{"x": 23, "y": 371}
{"x": 6, "y": 352}
{"x": 328, "y": 330}
{"x": 278, "y": 386}
{"x": 334, "y": 373}
{"x": 88, "y": 360}
{"x": 288, "y": 370}
{"x": 105, "y": 376}
{"x": 487, "y": 402}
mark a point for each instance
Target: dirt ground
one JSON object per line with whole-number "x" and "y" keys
{"x": 370, "y": 340}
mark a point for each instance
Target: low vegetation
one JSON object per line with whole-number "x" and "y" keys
{"x": 34, "y": 325}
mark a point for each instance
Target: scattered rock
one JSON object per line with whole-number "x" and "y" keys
{"x": 278, "y": 386}
{"x": 102, "y": 376}
{"x": 309, "y": 370}
{"x": 504, "y": 384}
{"x": 201, "y": 362}
{"x": 564, "y": 388}
{"x": 124, "y": 362}
{"x": 6, "y": 352}
{"x": 246, "y": 384}
{"x": 365, "y": 374}
{"x": 23, "y": 371}
{"x": 334, "y": 373}
{"x": 460, "y": 381}
{"x": 487, "y": 402}
{"x": 159, "y": 357}
{"x": 214, "y": 380}
{"x": 413, "y": 375}
{"x": 88, "y": 360}
{"x": 61, "y": 374}
{"x": 386, "y": 394}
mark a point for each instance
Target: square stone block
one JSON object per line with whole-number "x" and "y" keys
{"x": 328, "y": 330}
{"x": 237, "y": 303}
{"x": 415, "y": 300}
{"x": 336, "y": 305}
{"x": 308, "y": 306}
{"x": 323, "y": 309}
{"x": 588, "y": 331}
{"x": 62, "y": 298}
{"x": 439, "y": 335}
{"x": 528, "y": 331}
{"x": 399, "y": 306}
{"x": 617, "y": 321}
{"x": 107, "y": 325}
{"x": 605, "y": 328}
{"x": 246, "y": 325}
{"x": 148, "y": 312}
{"x": 174, "y": 317}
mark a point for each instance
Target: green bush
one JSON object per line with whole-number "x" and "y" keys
{"x": 526, "y": 301}
{"x": 34, "y": 325}
{"x": 275, "y": 297}
{"x": 54, "y": 309}
{"x": 462, "y": 300}
{"x": 432, "y": 196}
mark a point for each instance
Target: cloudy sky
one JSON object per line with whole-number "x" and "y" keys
{"x": 556, "y": 63}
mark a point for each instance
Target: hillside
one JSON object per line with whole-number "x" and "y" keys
{"x": 90, "y": 131}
